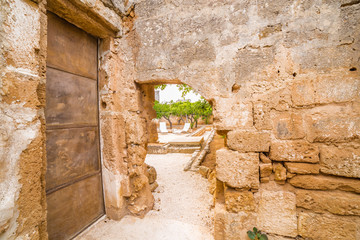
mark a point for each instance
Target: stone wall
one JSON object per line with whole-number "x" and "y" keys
{"x": 22, "y": 132}
{"x": 123, "y": 123}
{"x": 283, "y": 77}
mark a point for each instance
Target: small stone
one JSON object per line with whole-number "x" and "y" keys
{"x": 264, "y": 158}
{"x": 264, "y": 180}
{"x": 265, "y": 169}
{"x": 290, "y": 175}
{"x": 153, "y": 186}
{"x": 280, "y": 172}
{"x": 152, "y": 174}
{"x": 203, "y": 171}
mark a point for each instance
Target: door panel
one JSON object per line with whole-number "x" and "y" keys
{"x": 73, "y": 99}
{"x": 72, "y": 154}
{"x": 69, "y": 49}
{"x": 83, "y": 205}
{"x": 73, "y": 178}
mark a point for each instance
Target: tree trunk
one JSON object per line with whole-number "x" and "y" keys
{"x": 168, "y": 119}
{"x": 191, "y": 121}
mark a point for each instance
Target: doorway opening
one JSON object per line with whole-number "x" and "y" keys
{"x": 183, "y": 158}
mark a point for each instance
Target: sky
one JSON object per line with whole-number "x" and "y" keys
{"x": 171, "y": 92}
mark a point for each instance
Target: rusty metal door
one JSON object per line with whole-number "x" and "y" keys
{"x": 73, "y": 178}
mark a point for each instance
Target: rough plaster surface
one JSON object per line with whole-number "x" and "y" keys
{"x": 18, "y": 127}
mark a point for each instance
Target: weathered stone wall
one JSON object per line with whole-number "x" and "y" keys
{"x": 283, "y": 77}
{"x": 124, "y": 133}
{"x": 123, "y": 129}
{"x": 22, "y": 100}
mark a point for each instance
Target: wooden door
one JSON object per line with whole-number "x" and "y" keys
{"x": 73, "y": 178}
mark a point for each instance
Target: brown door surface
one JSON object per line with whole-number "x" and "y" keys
{"x": 73, "y": 177}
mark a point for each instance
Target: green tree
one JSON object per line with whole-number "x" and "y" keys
{"x": 163, "y": 110}
{"x": 183, "y": 109}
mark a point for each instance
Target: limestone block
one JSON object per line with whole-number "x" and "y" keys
{"x": 248, "y": 141}
{"x": 231, "y": 114}
{"x": 325, "y": 88}
{"x": 294, "y": 151}
{"x": 280, "y": 172}
{"x": 265, "y": 169}
{"x": 277, "y": 212}
{"x": 238, "y": 170}
{"x": 324, "y": 227}
{"x": 332, "y": 124}
{"x": 135, "y": 130}
{"x": 341, "y": 161}
{"x": 264, "y": 158}
{"x": 320, "y": 182}
{"x": 232, "y": 226}
{"x": 262, "y": 116}
{"x": 302, "y": 168}
{"x": 238, "y": 201}
{"x": 116, "y": 186}
{"x": 302, "y": 93}
{"x": 136, "y": 154}
{"x": 329, "y": 88}
{"x": 339, "y": 203}
{"x": 288, "y": 126}
{"x": 114, "y": 145}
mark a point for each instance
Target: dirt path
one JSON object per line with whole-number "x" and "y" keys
{"x": 181, "y": 212}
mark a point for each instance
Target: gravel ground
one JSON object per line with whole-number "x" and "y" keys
{"x": 182, "y": 207}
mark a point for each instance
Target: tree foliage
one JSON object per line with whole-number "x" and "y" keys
{"x": 163, "y": 110}
{"x": 185, "y": 110}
